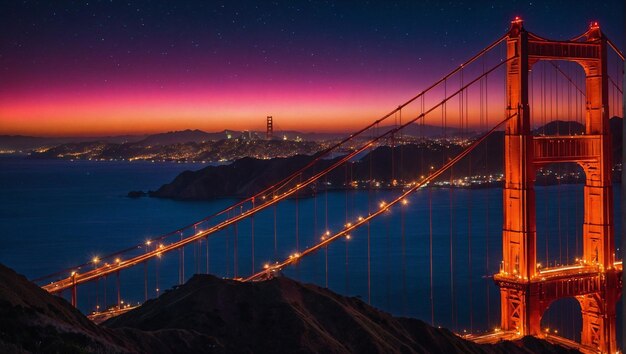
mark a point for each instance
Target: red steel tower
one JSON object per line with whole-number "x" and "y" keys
{"x": 526, "y": 291}
{"x": 269, "y": 133}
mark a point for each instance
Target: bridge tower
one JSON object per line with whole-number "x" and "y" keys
{"x": 526, "y": 292}
{"x": 269, "y": 133}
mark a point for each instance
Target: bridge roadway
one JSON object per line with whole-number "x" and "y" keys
{"x": 498, "y": 335}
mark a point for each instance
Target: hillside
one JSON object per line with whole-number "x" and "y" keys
{"x": 33, "y": 321}
{"x": 284, "y": 316}
{"x": 212, "y": 315}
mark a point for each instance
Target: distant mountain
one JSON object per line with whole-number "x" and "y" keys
{"x": 559, "y": 127}
{"x": 408, "y": 162}
{"x": 404, "y": 163}
{"x": 211, "y": 151}
{"x": 27, "y": 143}
{"x": 186, "y": 136}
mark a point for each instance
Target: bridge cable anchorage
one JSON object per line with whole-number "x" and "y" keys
{"x": 385, "y": 206}
{"x": 281, "y": 184}
{"x": 90, "y": 275}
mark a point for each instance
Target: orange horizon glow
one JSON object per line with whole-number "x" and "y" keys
{"x": 145, "y": 110}
{"x": 148, "y": 111}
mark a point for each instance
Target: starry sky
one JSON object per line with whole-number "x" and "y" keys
{"x": 132, "y": 67}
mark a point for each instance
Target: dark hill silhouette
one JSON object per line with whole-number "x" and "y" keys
{"x": 247, "y": 176}
{"x": 211, "y": 315}
{"x": 284, "y": 316}
{"x": 559, "y": 127}
{"x": 34, "y": 321}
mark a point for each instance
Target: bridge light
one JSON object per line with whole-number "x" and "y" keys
{"x": 347, "y": 237}
{"x": 118, "y": 261}
{"x": 266, "y": 266}
{"x": 327, "y": 233}
{"x": 360, "y": 218}
{"x": 148, "y": 243}
{"x": 73, "y": 273}
{"x": 405, "y": 202}
{"x": 95, "y": 260}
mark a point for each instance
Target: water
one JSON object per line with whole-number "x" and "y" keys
{"x": 57, "y": 214}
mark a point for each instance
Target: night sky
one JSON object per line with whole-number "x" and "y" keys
{"x": 116, "y": 67}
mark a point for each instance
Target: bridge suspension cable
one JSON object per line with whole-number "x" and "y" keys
{"x": 274, "y": 188}
{"x": 267, "y": 200}
{"x": 327, "y": 238}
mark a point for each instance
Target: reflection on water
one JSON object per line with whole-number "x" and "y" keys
{"x": 55, "y": 214}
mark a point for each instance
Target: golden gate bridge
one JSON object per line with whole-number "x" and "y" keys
{"x": 532, "y": 91}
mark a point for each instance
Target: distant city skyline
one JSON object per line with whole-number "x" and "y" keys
{"x": 109, "y": 68}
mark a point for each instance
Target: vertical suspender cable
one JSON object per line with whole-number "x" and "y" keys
{"x": 252, "y": 234}
{"x": 275, "y": 236}
{"x": 487, "y": 236}
{"x": 347, "y": 187}
{"x": 326, "y": 224}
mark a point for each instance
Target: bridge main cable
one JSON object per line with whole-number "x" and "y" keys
{"x": 78, "y": 278}
{"x": 289, "y": 178}
{"x": 58, "y": 286}
{"x": 327, "y": 239}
